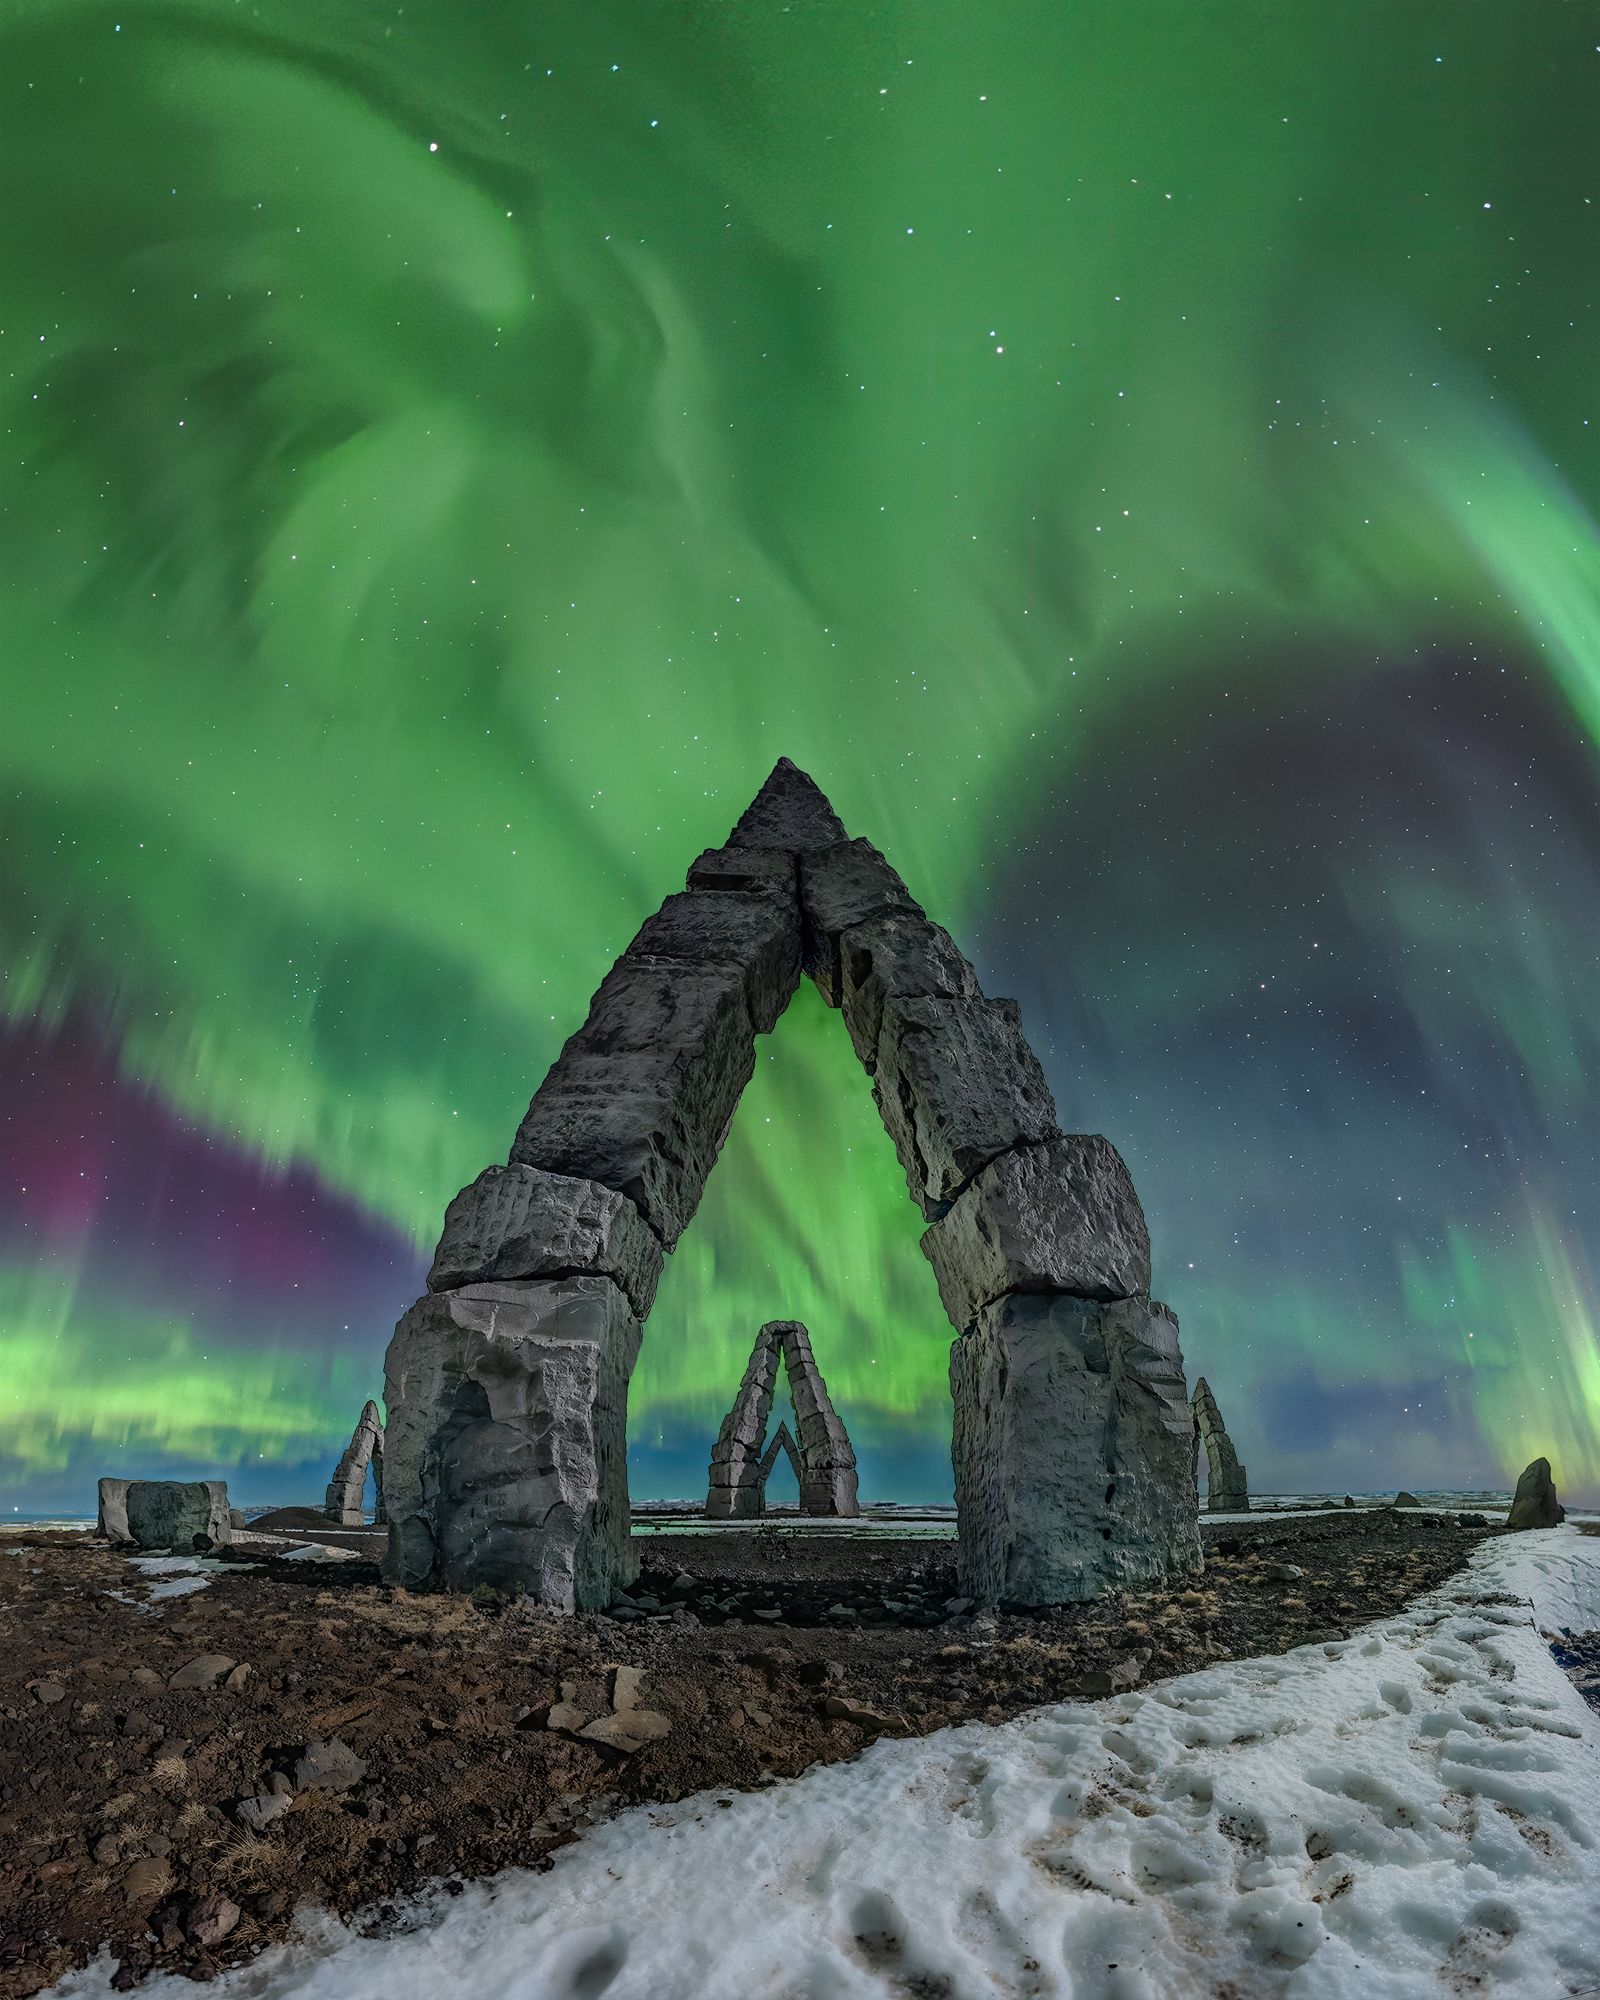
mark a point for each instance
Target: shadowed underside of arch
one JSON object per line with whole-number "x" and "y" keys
{"x": 1072, "y": 1435}
{"x": 826, "y": 1465}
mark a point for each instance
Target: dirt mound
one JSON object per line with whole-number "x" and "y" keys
{"x": 377, "y": 1740}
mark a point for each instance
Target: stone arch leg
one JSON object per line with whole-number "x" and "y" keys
{"x": 827, "y": 1468}
{"x": 342, "y": 1502}
{"x": 737, "y": 1479}
{"x": 1071, "y": 1427}
{"x": 1227, "y": 1488}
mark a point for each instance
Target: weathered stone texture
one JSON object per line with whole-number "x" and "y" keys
{"x": 827, "y": 1470}
{"x": 641, "y": 1097}
{"x": 757, "y": 934}
{"x": 521, "y": 1222}
{"x": 788, "y": 812}
{"x": 507, "y": 1440}
{"x": 342, "y": 1501}
{"x": 1072, "y": 1444}
{"x": 957, "y": 1085}
{"x": 768, "y": 870}
{"x": 842, "y": 887}
{"x": 1058, "y": 1217}
{"x": 898, "y": 956}
{"x": 1227, "y": 1488}
{"x": 1534, "y": 1504}
{"x": 180, "y": 1514}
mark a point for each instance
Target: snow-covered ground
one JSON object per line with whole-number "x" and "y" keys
{"x": 1413, "y": 1811}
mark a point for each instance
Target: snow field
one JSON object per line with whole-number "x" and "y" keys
{"x": 1412, "y": 1811}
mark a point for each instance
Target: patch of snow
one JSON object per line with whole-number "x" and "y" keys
{"x": 1403, "y": 1815}
{"x": 179, "y": 1586}
{"x": 321, "y": 1552}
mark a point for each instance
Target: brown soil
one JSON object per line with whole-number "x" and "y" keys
{"x": 119, "y": 1793}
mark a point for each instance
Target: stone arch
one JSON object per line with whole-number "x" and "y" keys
{"x": 782, "y": 1443}
{"x": 342, "y": 1502}
{"x": 825, "y": 1465}
{"x": 1227, "y": 1489}
{"x": 1072, "y": 1433}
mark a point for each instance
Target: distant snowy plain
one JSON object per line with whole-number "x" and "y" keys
{"x": 1414, "y": 1811}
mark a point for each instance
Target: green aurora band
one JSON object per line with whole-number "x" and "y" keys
{"x": 454, "y": 450}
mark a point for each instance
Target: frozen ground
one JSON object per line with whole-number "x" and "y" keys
{"x": 1408, "y": 1812}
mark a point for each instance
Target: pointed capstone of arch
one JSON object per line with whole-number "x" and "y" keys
{"x": 826, "y": 1465}
{"x": 1227, "y": 1489}
{"x": 343, "y": 1499}
{"x": 507, "y": 1384}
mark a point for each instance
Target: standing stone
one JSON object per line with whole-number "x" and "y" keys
{"x": 1227, "y": 1489}
{"x": 342, "y": 1502}
{"x": 507, "y": 1385}
{"x": 1534, "y": 1504}
{"x": 165, "y": 1513}
{"x": 507, "y": 1440}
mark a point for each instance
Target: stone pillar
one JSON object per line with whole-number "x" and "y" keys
{"x": 827, "y": 1468}
{"x": 1227, "y": 1489}
{"x": 507, "y": 1440}
{"x": 178, "y": 1514}
{"x": 735, "y": 1482}
{"x": 1071, "y": 1444}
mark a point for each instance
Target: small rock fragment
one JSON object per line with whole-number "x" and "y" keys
{"x": 841, "y": 1709}
{"x": 48, "y": 1692}
{"x": 328, "y": 1767}
{"x": 211, "y": 1918}
{"x": 567, "y": 1716}
{"x": 237, "y": 1679}
{"x": 147, "y": 1880}
{"x": 202, "y": 1672}
{"x": 625, "y": 1684}
{"x": 258, "y": 1813}
{"x": 628, "y": 1731}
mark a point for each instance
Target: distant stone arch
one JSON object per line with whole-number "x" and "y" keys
{"x": 1072, "y": 1436}
{"x": 825, "y": 1465}
{"x": 782, "y": 1442}
{"x": 348, "y": 1485}
{"x": 1227, "y": 1489}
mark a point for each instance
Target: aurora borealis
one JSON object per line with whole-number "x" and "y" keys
{"x": 1141, "y": 460}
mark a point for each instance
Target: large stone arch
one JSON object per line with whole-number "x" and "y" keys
{"x": 826, "y": 1464}
{"x": 1072, "y": 1435}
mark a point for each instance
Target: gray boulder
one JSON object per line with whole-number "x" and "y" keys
{"x": 1060, "y": 1217}
{"x": 521, "y": 1222}
{"x": 1534, "y": 1504}
{"x": 165, "y": 1513}
{"x": 1404, "y": 1499}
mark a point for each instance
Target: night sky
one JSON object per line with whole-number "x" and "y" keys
{"x": 1140, "y": 459}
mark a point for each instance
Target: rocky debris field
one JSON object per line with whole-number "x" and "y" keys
{"x": 178, "y": 1772}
